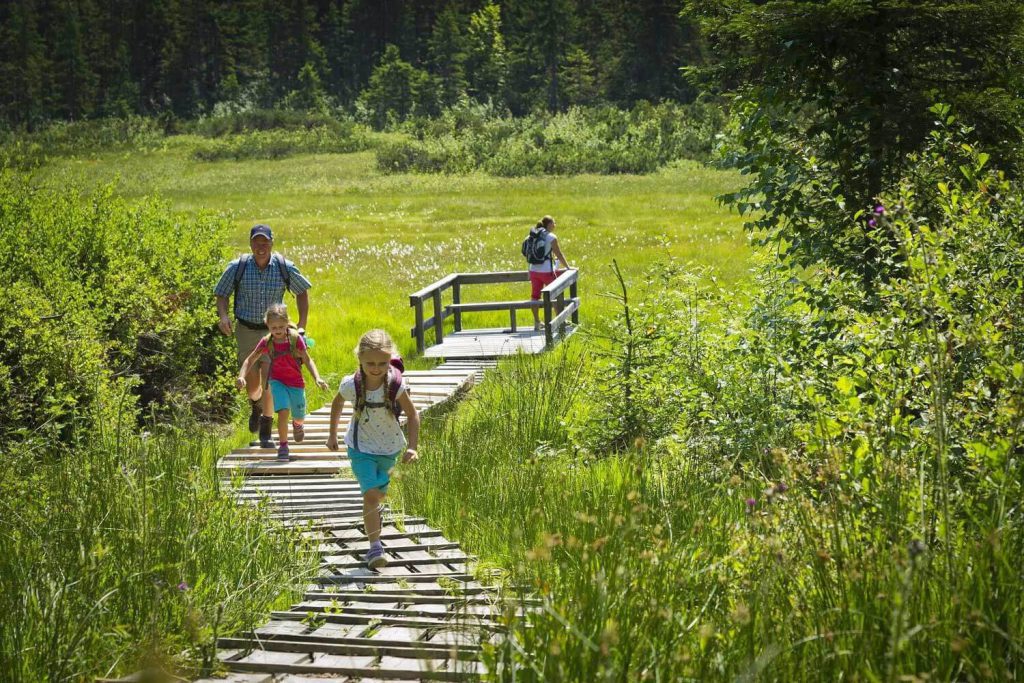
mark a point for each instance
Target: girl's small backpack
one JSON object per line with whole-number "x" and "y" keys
{"x": 393, "y": 383}
{"x": 293, "y": 343}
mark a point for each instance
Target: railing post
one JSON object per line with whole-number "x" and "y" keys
{"x": 421, "y": 344}
{"x": 512, "y": 318}
{"x": 549, "y": 338}
{"x": 438, "y": 320}
{"x": 561, "y": 307}
{"x": 573, "y": 294}
{"x": 457, "y": 299}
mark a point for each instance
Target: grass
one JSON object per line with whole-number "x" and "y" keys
{"x": 367, "y": 240}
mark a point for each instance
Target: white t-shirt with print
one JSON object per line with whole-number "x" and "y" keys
{"x": 547, "y": 266}
{"x": 379, "y": 431}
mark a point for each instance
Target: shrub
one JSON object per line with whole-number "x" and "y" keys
{"x": 24, "y": 151}
{"x": 277, "y": 144}
{"x": 594, "y": 140}
{"x": 268, "y": 119}
{"x": 109, "y": 302}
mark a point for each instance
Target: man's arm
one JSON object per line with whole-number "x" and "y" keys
{"x": 222, "y": 312}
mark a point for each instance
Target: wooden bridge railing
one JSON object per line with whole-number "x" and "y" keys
{"x": 556, "y": 307}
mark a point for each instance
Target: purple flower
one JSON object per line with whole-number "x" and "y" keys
{"x": 781, "y": 487}
{"x": 873, "y": 223}
{"x": 183, "y": 586}
{"x": 751, "y": 502}
{"x": 880, "y": 210}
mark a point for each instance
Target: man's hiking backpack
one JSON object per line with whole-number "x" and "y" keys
{"x": 293, "y": 343}
{"x": 243, "y": 263}
{"x": 536, "y": 247}
{"x": 392, "y": 384}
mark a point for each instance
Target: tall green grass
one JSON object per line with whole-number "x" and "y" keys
{"x": 125, "y": 553}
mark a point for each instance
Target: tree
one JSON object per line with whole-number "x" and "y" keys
{"x": 398, "y": 90}
{"x": 310, "y": 95}
{"x": 448, "y": 55}
{"x": 849, "y": 84}
{"x": 75, "y": 80}
{"x": 539, "y": 39}
{"x": 23, "y": 64}
{"x": 486, "y": 56}
{"x": 579, "y": 84}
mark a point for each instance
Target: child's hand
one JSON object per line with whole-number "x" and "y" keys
{"x": 321, "y": 383}
{"x": 332, "y": 443}
{"x": 240, "y": 382}
{"x": 410, "y": 455}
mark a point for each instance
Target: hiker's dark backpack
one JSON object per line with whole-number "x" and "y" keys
{"x": 536, "y": 247}
{"x": 243, "y": 263}
{"x": 293, "y": 342}
{"x": 392, "y": 384}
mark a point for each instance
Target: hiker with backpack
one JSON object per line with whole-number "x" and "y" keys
{"x": 286, "y": 349}
{"x": 374, "y": 438}
{"x": 542, "y": 251}
{"x": 257, "y": 280}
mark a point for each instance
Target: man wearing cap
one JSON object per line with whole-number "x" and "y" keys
{"x": 258, "y": 280}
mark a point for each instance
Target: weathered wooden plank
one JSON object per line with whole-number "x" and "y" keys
{"x": 350, "y": 636}
{"x": 391, "y": 641}
{"x": 343, "y": 665}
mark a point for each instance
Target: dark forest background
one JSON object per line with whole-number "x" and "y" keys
{"x": 75, "y": 59}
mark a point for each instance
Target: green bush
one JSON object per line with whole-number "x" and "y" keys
{"x": 25, "y": 151}
{"x": 249, "y": 121}
{"x": 581, "y": 140}
{"x": 110, "y": 311}
{"x": 277, "y": 144}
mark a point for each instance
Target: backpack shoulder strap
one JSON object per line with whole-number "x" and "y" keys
{"x": 243, "y": 262}
{"x": 282, "y": 266}
{"x": 357, "y": 380}
{"x": 394, "y": 384}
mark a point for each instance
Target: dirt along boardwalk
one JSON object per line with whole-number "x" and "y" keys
{"x": 425, "y": 616}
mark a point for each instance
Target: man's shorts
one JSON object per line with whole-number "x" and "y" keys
{"x": 539, "y": 281}
{"x": 288, "y": 398}
{"x": 372, "y": 471}
{"x": 246, "y": 341}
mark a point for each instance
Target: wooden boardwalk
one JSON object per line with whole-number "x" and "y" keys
{"x": 493, "y": 343}
{"x": 425, "y": 616}
{"x": 558, "y": 316}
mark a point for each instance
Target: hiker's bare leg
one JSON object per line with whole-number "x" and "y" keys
{"x": 282, "y": 425}
{"x": 254, "y": 383}
{"x": 371, "y": 514}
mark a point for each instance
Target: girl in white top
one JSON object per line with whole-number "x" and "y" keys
{"x": 375, "y": 430}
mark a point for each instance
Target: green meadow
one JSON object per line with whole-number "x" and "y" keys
{"x": 367, "y": 240}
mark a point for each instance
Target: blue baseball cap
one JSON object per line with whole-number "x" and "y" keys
{"x": 261, "y": 229}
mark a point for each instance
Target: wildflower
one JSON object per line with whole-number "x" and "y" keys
{"x": 873, "y": 223}
{"x": 880, "y": 210}
{"x": 751, "y": 502}
{"x": 781, "y": 488}
{"x": 183, "y": 586}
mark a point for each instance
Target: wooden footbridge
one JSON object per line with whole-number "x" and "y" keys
{"x": 428, "y": 614}
{"x": 560, "y": 316}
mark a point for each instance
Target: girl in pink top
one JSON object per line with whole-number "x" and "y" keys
{"x": 287, "y": 351}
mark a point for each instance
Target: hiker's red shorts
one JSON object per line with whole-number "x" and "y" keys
{"x": 539, "y": 281}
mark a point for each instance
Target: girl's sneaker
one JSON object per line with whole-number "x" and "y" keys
{"x": 375, "y": 557}
{"x": 282, "y": 452}
{"x": 298, "y": 431}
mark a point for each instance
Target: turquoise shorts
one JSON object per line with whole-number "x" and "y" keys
{"x": 372, "y": 471}
{"x": 288, "y": 398}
